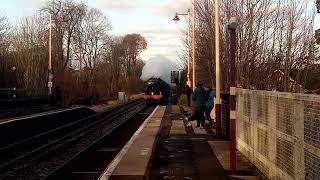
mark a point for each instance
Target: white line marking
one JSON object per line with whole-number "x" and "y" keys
{"x": 112, "y": 166}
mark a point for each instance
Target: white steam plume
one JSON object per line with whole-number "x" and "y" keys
{"x": 159, "y": 67}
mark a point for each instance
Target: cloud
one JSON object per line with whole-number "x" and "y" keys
{"x": 119, "y": 5}
{"x": 161, "y": 40}
{"x": 159, "y": 33}
{"x": 146, "y": 18}
{"x": 171, "y": 7}
{"x": 166, "y": 9}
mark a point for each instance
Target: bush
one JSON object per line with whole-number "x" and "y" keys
{"x": 183, "y": 100}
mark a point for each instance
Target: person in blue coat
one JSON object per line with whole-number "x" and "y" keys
{"x": 199, "y": 104}
{"x": 209, "y": 104}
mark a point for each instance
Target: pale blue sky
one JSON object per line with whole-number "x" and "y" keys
{"x": 150, "y": 18}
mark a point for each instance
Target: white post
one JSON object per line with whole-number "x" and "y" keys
{"x": 189, "y": 43}
{"x": 217, "y": 44}
{"x": 217, "y": 47}
{"x": 193, "y": 46}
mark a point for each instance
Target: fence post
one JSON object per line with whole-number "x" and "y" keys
{"x": 232, "y": 73}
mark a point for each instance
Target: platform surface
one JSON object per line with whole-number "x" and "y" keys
{"x": 184, "y": 152}
{"x": 165, "y": 148}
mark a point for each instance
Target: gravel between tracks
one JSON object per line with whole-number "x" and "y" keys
{"x": 39, "y": 166}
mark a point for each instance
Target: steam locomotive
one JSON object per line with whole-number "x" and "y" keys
{"x": 156, "y": 91}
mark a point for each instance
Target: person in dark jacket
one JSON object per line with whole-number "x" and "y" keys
{"x": 58, "y": 96}
{"x": 199, "y": 101}
{"x": 188, "y": 93}
{"x": 209, "y": 104}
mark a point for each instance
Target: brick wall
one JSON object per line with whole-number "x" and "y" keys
{"x": 280, "y": 133}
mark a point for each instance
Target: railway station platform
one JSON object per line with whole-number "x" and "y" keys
{"x": 165, "y": 148}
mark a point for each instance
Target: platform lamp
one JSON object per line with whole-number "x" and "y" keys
{"x": 176, "y": 19}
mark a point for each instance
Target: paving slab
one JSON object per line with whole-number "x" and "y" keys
{"x": 165, "y": 148}
{"x": 184, "y": 152}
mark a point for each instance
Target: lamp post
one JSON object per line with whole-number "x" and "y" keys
{"x": 217, "y": 55}
{"x": 233, "y": 24}
{"x": 176, "y": 19}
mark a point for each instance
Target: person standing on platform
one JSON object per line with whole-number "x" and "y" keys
{"x": 209, "y": 104}
{"x": 199, "y": 101}
{"x": 58, "y": 96}
{"x": 188, "y": 93}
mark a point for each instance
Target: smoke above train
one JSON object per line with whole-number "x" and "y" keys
{"x": 159, "y": 67}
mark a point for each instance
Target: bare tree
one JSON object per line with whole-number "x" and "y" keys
{"x": 272, "y": 36}
{"x": 87, "y": 61}
{"x": 90, "y": 42}
{"x": 4, "y": 45}
{"x": 133, "y": 45}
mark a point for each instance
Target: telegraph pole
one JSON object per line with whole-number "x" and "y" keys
{"x": 217, "y": 54}
{"x": 50, "y": 74}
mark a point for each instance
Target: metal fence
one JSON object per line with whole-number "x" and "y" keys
{"x": 280, "y": 133}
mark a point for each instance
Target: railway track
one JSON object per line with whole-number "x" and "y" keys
{"x": 38, "y": 156}
{"x": 92, "y": 161}
{"x": 22, "y": 106}
{"x": 21, "y": 128}
{"x": 10, "y": 113}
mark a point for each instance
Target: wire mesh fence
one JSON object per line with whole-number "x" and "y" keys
{"x": 280, "y": 133}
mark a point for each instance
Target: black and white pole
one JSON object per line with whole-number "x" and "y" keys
{"x": 233, "y": 24}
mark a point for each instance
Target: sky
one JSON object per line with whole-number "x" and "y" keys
{"x": 150, "y": 18}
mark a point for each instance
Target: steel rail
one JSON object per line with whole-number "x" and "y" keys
{"x": 95, "y": 143}
{"x": 75, "y": 127}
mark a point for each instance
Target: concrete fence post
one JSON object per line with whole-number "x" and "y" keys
{"x": 232, "y": 75}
